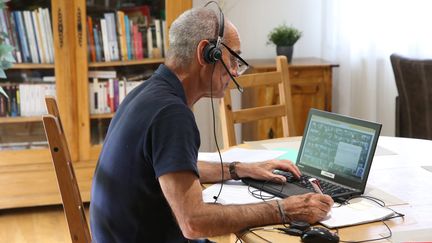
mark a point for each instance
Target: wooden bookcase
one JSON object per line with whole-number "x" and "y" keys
{"x": 27, "y": 176}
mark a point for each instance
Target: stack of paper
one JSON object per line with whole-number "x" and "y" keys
{"x": 355, "y": 213}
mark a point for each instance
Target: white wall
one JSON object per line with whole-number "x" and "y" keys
{"x": 254, "y": 20}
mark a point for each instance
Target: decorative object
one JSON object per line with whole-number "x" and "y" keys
{"x": 6, "y": 58}
{"x": 284, "y": 38}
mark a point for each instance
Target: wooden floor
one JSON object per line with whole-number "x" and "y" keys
{"x": 44, "y": 224}
{"x": 34, "y": 225}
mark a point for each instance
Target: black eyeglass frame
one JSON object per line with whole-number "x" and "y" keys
{"x": 235, "y": 54}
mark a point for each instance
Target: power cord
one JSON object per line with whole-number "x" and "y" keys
{"x": 382, "y": 204}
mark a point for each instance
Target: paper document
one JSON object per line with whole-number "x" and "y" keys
{"x": 240, "y": 154}
{"x": 233, "y": 192}
{"x": 355, "y": 213}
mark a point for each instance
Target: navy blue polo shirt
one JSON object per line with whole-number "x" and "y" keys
{"x": 153, "y": 133}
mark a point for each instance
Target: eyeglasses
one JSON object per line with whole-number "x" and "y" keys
{"x": 237, "y": 63}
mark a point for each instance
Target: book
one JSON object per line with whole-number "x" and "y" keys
{"x": 12, "y": 36}
{"x": 49, "y": 33}
{"x": 105, "y": 74}
{"x": 104, "y": 40}
{"x": 158, "y": 34}
{"x": 149, "y": 42}
{"x": 31, "y": 37}
{"x": 91, "y": 39}
{"x": 40, "y": 44}
{"x": 121, "y": 30}
{"x": 112, "y": 36}
{"x": 355, "y": 213}
{"x": 128, "y": 37}
{"x": 22, "y": 38}
{"x": 97, "y": 43}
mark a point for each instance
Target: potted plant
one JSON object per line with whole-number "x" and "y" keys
{"x": 284, "y": 38}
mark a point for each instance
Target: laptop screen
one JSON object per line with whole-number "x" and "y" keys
{"x": 338, "y": 148}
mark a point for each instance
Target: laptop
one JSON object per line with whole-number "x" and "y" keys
{"x": 337, "y": 150}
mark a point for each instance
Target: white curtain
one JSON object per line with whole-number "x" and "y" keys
{"x": 360, "y": 35}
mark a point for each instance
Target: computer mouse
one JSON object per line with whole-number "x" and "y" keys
{"x": 319, "y": 235}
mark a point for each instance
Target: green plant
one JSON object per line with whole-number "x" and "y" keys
{"x": 6, "y": 58}
{"x": 284, "y": 35}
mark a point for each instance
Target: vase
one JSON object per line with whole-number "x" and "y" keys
{"x": 285, "y": 51}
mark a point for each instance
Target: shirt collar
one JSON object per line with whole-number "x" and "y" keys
{"x": 172, "y": 79}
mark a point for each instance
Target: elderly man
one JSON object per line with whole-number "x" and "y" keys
{"x": 147, "y": 185}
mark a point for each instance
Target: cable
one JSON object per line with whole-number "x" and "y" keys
{"x": 215, "y": 137}
{"x": 382, "y": 204}
{"x": 374, "y": 239}
{"x": 257, "y": 193}
{"x": 259, "y": 236}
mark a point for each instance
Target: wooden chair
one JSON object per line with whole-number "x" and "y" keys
{"x": 52, "y": 108}
{"x": 284, "y": 109}
{"x": 70, "y": 194}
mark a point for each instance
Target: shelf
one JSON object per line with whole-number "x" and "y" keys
{"x": 102, "y": 116}
{"x": 20, "y": 119}
{"x": 127, "y": 63}
{"x": 32, "y": 66}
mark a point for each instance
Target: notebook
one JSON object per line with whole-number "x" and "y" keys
{"x": 335, "y": 149}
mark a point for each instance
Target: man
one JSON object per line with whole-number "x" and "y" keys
{"x": 147, "y": 186}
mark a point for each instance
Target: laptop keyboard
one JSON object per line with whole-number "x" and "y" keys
{"x": 327, "y": 187}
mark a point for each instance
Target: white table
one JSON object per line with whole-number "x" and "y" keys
{"x": 397, "y": 170}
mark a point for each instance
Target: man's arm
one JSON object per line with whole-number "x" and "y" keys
{"x": 198, "y": 219}
{"x": 212, "y": 172}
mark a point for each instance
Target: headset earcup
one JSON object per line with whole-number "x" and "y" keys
{"x": 211, "y": 53}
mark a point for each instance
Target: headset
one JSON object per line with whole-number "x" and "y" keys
{"x": 212, "y": 51}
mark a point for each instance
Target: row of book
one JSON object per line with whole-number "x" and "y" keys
{"x": 118, "y": 36}
{"x": 24, "y": 99}
{"x": 107, "y": 91}
{"x": 30, "y": 33}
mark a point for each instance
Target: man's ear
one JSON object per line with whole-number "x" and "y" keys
{"x": 200, "y": 52}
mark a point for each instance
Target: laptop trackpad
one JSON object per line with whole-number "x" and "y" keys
{"x": 292, "y": 189}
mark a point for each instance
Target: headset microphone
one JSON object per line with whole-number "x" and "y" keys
{"x": 212, "y": 51}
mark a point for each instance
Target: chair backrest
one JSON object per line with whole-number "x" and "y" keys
{"x": 414, "y": 103}
{"x": 284, "y": 109}
{"x": 70, "y": 194}
{"x": 52, "y": 108}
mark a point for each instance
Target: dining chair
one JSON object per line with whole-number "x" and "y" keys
{"x": 414, "y": 101}
{"x": 66, "y": 179}
{"x": 282, "y": 110}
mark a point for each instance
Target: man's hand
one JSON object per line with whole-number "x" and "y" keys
{"x": 264, "y": 170}
{"x": 310, "y": 207}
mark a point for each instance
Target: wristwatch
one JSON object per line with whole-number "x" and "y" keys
{"x": 232, "y": 171}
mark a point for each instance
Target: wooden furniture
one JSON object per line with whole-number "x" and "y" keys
{"x": 20, "y": 225}
{"x": 283, "y": 109}
{"x": 311, "y": 87}
{"x": 67, "y": 181}
{"x": 395, "y": 158}
{"x": 26, "y": 175}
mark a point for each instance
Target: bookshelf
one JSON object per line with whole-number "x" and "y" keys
{"x": 26, "y": 175}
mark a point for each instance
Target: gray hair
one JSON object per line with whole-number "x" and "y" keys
{"x": 187, "y": 31}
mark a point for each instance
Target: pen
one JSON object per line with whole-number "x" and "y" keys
{"x": 316, "y": 185}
